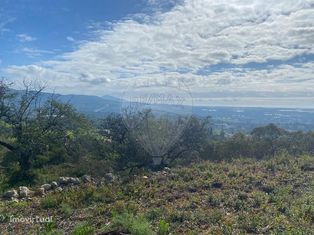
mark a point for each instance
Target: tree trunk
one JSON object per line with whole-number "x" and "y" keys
{"x": 24, "y": 161}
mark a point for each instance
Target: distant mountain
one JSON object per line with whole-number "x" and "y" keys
{"x": 112, "y": 98}
{"x": 92, "y": 104}
{"x": 231, "y": 119}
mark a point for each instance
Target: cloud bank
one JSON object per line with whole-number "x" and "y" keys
{"x": 243, "y": 40}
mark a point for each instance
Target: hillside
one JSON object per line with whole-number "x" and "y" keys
{"x": 240, "y": 197}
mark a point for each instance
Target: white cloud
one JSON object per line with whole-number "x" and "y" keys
{"x": 32, "y": 52}
{"x": 192, "y": 35}
{"x": 159, "y": 5}
{"x": 25, "y": 38}
{"x": 70, "y": 39}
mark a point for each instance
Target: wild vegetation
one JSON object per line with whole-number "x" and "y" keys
{"x": 243, "y": 196}
{"x": 259, "y": 183}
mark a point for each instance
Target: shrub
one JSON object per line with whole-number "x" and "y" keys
{"x": 50, "y": 227}
{"x": 136, "y": 225}
{"x": 49, "y": 202}
{"x": 154, "y": 213}
{"x": 215, "y": 216}
{"x": 66, "y": 209}
{"x": 163, "y": 228}
{"x": 83, "y": 229}
{"x": 214, "y": 200}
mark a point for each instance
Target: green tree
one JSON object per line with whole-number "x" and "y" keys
{"x": 266, "y": 138}
{"x": 127, "y": 151}
{"x": 132, "y": 155}
{"x": 33, "y": 129}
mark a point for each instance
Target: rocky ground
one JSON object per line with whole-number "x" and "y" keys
{"x": 24, "y": 193}
{"x": 240, "y": 197}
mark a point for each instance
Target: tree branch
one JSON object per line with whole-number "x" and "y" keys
{"x": 8, "y": 146}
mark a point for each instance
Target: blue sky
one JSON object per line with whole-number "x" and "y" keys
{"x": 229, "y": 48}
{"x": 51, "y": 27}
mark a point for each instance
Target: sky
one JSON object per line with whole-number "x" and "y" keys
{"x": 225, "y": 52}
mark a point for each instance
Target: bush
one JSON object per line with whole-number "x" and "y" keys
{"x": 49, "y": 202}
{"x": 163, "y": 228}
{"x": 83, "y": 229}
{"x": 66, "y": 209}
{"x": 136, "y": 225}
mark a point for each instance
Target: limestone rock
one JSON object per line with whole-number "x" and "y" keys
{"x": 24, "y": 192}
{"x": 63, "y": 180}
{"x": 58, "y": 189}
{"x": 40, "y": 192}
{"x": 69, "y": 181}
{"x": 87, "y": 179}
{"x": 167, "y": 169}
{"x": 11, "y": 194}
{"x": 54, "y": 185}
{"x": 46, "y": 187}
{"x": 74, "y": 180}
